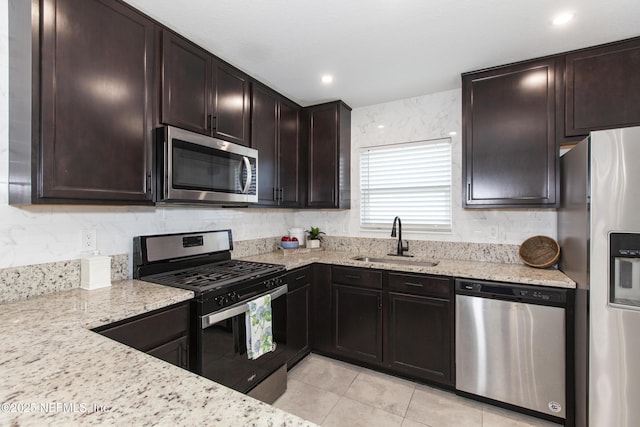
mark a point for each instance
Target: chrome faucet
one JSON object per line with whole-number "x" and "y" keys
{"x": 401, "y": 248}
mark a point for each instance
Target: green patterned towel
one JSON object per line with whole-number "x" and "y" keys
{"x": 258, "y": 321}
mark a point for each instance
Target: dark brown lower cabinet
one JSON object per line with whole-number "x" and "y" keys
{"x": 401, "y": 323}
{"x": 358, "y": 323}
{"x": 322, "y": 320}
{"x": 419, "y": 328}
{"x": 162, "y": 333}
{"x": 175, "y": 352}
{"x": 298, "y": 314}
{"x": 419, "y": 337}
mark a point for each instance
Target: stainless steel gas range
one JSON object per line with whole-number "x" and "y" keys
{"x": 223, "y": 287}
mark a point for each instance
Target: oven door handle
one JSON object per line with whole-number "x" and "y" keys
{"x": 235, "y": 310}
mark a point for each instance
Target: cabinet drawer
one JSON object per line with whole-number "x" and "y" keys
{"x": 298, "y": 278}
{"x": 423, "y": 285}
{"x": 152, "y": 330}
{"x": 357, "y": 277}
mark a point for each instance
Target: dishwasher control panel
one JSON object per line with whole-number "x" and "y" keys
{"x": 528, "y": 293}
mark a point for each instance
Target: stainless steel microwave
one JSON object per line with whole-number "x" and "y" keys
{"x": 194, "y": 168}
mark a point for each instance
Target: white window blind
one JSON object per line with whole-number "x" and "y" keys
{"x": 411, "y": 180}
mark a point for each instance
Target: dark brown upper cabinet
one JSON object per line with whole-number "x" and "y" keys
{"x": 186, "y": 84}
{"x": 329, "y": 153}
{"x": 275, "y": 130}
{"x": 231, "y": 109}
{"x": 602, "y": 89}
{"x": 510, "y": 154}
{"x": 202, "y": 93}
{"x": 92, "y": 97}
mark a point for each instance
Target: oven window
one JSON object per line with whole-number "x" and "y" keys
{"x": 206, "y": 169}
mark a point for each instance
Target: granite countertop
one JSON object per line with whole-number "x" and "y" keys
{"x": 512, "y": 273}
{"x": 55, "y": 371}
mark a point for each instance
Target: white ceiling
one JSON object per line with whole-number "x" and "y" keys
{"x": 383, "y": 50}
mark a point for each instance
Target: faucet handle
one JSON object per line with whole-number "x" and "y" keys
{"x": 406, "y": 248}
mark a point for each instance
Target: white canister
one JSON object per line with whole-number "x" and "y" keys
{"x": 298, "y": 233}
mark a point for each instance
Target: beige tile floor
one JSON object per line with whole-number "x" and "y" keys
{"x": 333, "y": 393}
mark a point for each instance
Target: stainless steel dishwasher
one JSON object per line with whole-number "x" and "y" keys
{"x": 511, "y": 344}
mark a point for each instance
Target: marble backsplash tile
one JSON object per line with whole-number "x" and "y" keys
{"x": 485, "y": 252}
{"x": 32, "y": 280}
{"x": 246, "y": 248}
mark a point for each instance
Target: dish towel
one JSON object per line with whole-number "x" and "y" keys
{"x": 258, "y": 322}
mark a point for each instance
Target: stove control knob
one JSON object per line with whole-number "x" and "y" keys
{"x": 220, "y": 301}
{"x": 233, "y": 296}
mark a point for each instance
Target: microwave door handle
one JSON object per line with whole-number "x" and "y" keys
{"x": 247, "y": 165}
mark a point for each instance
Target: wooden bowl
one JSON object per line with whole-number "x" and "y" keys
{"x": 539, "y": 251}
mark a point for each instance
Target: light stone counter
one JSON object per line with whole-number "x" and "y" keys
{"x": 55, "y": 371}
{"x": 512, "y": 273}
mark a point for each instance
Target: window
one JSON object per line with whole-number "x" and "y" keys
{"x": 411, "y": 180}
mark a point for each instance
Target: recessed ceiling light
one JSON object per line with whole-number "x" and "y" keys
{"x": 327, "y": 78}
{"x": 453, "y": 133}
{"x": 380, "y": 126}
{"x": 563, "y": 18}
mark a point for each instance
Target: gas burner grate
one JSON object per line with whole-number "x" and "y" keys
{"x": 213, "y": 275}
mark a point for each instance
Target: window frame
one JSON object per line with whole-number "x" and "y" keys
{"x": 444, "y": 221}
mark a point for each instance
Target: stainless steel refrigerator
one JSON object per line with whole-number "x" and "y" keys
{"x": 599, "y": 233}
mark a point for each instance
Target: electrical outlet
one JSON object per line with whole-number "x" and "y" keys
{"x": 89, "y": 240}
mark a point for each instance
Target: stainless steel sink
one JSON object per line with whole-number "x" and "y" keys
{"x": 395, "y": 260}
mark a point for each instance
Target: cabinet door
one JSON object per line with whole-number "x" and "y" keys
{"x": 358, "y": 323}
{"x": 510, "y": 153}
{"x": 186, "y": 84}
{"x": 329, "y": 153}
{"x": 298, "y": 311}
{"x": 420, "y": 337}
{"x": 323, "y": 156}
{"x": 96, "y": 76}
{"x": 264, "y": 125}
{"x": 163, "y": 333}
{"x": 175, "y": 352}
{"x": 289, "y": 164}
{"x": 322, "y": 324}
{"x": 602, "y": 88}
{"x": 230, "y": 104}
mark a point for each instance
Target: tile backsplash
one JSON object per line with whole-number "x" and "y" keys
{"x": 29, "y": 281}
{"x": 32, "y": 280}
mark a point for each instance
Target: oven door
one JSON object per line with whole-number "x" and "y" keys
{"x": 198, "y": 168}
{"x": 222, "y": 349}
